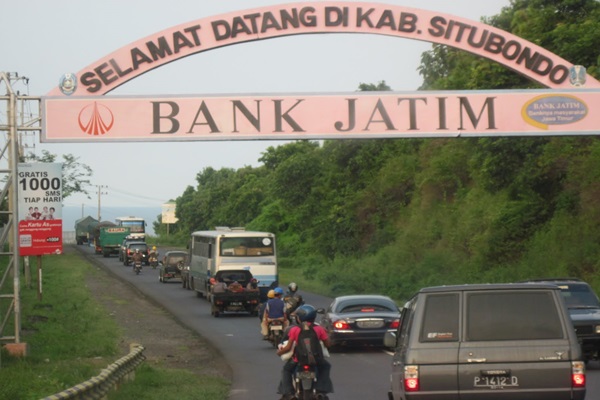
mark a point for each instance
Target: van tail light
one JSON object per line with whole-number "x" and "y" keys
{"x": 411, "y": 378}
{"x": 395, "y": 324}
{"x": 578, "y": 374}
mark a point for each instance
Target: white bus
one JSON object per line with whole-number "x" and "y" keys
{"x": 229, "y": 249}
{"x": 136, "y": 225}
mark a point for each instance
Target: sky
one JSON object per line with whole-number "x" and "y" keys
{"x": 44, "y": 39}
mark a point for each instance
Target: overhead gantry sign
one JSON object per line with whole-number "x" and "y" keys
{"x": 79, "y": 111}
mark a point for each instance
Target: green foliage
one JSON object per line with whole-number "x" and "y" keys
{"x": 70, "y": 337}
{"x": 391, "y": 216}
{"x": 155, "y": 383}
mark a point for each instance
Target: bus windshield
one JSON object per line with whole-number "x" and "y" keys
{"x": 134, "y": 226}
{"x": 247, "y": 246}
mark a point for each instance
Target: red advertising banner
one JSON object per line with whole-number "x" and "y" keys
{"x": 39, "y": 187}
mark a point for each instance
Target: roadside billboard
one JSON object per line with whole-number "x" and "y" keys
{"x": 358, "y": 115}
{"x": 168, "y": 213}
{"x": 39, "y": 192}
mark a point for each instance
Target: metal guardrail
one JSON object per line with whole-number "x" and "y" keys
{"x": 98, "y": 387}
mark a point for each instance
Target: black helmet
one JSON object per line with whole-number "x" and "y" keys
{"x": 306, "y": 313}
{"x": 293, "y": 287}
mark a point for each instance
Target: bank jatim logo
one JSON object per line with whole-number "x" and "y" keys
{"x": 96, "y": 119}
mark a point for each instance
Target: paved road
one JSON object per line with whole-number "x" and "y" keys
{"x": 356, "y": 374}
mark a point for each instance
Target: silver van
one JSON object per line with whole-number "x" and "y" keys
{"x": 486, "y": 342}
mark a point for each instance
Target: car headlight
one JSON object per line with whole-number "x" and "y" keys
{"x": 597, "y": 329}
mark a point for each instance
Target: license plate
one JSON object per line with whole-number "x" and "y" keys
{"x": 306, "y": 375}
{"x": 496, "y": 381}
{"x": 276, "y": 327}
{"x": 236, "y": 303}
{"x": 370, "y": 323}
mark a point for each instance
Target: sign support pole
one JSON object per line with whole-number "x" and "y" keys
{"x": 39, "y": 269}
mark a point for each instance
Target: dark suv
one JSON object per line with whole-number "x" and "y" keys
{"x": 131, "y": 247}
{"x": 128, "y": 239}
{"x": 486, "y": 342}
{"x": 584, "y": 310}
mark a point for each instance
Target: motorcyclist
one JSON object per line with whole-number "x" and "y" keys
{"x": 274, "y": 310}
{"x": 136, "y": 257}
{"x": 305, "y": 314}
{"x": 153, "y": 256}
{"x": 261, "y": 308}
{"x": 292, "y": 299}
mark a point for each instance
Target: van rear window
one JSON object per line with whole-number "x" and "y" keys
{"x": 512, "y": 316}
{"x": 440, "y": 321}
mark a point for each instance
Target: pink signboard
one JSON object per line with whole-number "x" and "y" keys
{"x": 39, "y": 189}
{"x": 204, "y": 34}
{"x": 321, "y": 116}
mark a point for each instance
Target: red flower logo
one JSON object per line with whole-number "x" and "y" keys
{"x": 96, "y": 119}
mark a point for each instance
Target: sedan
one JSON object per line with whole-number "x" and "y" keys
{"x": 360, "y": 320}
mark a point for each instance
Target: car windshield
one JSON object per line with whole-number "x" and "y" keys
{"x": 579, "y": 296}
{"x": 140, "y": 247}
{"x": 366, "y": 306}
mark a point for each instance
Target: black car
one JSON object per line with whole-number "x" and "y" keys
{"x": 128, "y": 239}
{"x": 584, "y": 309}
{"x": 360, "y": 320}
{"x": 131, "y": 247}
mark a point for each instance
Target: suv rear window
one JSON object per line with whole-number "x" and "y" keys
{"x": 440, "y": 323}
{"x": 512, "y": 316}
{"x": 140, "y": 247}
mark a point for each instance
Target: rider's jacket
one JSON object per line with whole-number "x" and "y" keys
{"x": 275, "y": 308}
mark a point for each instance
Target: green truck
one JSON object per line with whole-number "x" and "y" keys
{"x": 109, "y": 239}
{"x": 84, "y": 229}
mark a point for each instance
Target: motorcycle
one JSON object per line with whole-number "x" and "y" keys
{"x": 137, "y": 267}
{"x": 305, "y": 379}
{"x": 153, "y": 260}
{"x": 275, "y": 332}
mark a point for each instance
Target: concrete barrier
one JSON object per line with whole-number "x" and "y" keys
{"x": 98, "y": 387}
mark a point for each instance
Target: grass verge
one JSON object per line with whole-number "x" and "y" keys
{"x": 71, "y": 338}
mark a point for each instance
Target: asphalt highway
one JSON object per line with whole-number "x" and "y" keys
{"x": 356, "y": 373}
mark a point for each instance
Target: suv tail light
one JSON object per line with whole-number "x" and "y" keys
{"x": 411, "y": 378}
{"x": 578, "y": 374}
{"x": 395, "y": 324}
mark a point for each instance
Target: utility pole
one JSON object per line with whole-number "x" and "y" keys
{"x": 100, "y": 193}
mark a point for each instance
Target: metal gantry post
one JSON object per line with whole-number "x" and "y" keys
{"x": 10, "y": 302}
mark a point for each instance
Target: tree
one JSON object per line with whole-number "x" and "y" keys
{"x": 371, "y": 87}
{"x": 75, "y": 175}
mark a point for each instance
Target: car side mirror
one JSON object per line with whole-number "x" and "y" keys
{"x": 390, "y": 340}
